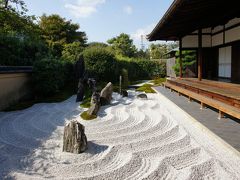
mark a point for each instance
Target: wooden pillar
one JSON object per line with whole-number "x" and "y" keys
{"x": 180, "y": 58}
{"x": 200, "y": 54}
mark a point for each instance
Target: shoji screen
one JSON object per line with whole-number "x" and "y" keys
{"x": 225, "y": 59}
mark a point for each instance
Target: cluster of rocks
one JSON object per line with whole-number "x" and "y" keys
{"x": 74, "y": 139}
{"x": 100, "y": 99}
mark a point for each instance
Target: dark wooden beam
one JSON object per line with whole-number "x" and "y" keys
{"x": 180, "y": 58}
{"x": 200, "y": 54}
{"x": 184, "y": 17}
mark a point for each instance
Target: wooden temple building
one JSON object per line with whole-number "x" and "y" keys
{"x": 212, "y": 28}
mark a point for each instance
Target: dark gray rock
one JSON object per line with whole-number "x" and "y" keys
{"x": 106, "y": 94}
{"x": 80, "y": 76}
{"x": 80, "y": 92}
{"x": 124, "y": 93}
{"x": 80, "y": 67}
{"x": 74, "y": 138}
{"x": 95, "y": 104}
{"x": 92, "y": 84}
{"x": 142, "y": 96}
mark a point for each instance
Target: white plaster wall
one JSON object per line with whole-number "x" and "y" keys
{"x": 217, "y": 39}
{"x": 232, "y": 22}
{"x": 195, "y": 31}
{"x": 207, "y": 30}
{"x": 232, "y": 34}
{"x": 190, "y": 41}
{"x": 217, "y": 28}
{"x": 206, "y": 41}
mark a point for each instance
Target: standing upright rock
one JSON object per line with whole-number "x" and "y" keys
{"x": 80, "y": 71}
{"x": 74, "y": 138}
{"x": 80, "y": 92}
{"x": 106, "y": 94}
{"x": 95, "y": 104}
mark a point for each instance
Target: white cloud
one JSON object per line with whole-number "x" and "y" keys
{"x": 84, "y": 8}
{"x": 128, "y": 9}
{"x": 137, "y": 35}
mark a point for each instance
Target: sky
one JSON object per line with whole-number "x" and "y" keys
{"x": 105, "y": 19}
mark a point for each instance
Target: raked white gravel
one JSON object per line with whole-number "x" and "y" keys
{"x": 131, "y": 139}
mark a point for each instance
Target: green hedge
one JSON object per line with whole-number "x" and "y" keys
{"x": 100, "y": 64}
{"x": 50, "y": 76}
{"x": 104, "y": 66}
{"x": 143, "y": 69}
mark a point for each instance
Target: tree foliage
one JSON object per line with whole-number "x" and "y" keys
{"x": 188, "y": 59}
{"x": 97, "y": 44}
{"x": 158, "y": 51}
{"x": 100, "y": 63}
{"x": 14, "y": 6}
{"x": 72, "y": 51}
{"x": 123, "y": 45}
{"x": 58, "y": 31}
{"x": 19, "y": 36}
{"x": 49, "y": 76}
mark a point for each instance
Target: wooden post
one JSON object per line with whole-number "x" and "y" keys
{"x": 220, "y": 114}
{"x": 202, "y": 106}
{"x": 200, "y": 54}
{"x": 180, "y": 58}
{"x": 189, "y": 99}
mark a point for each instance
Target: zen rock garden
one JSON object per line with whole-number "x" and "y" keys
{"x": 74, "y": 139}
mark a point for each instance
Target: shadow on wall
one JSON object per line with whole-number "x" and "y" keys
{"x": 14, "y": 87}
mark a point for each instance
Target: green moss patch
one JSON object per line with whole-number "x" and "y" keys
{"x": 158, "y": 81}
{"x": 86, "y": 116}
{"x": 86, "y": 103}
{"x": 147, "y": 88}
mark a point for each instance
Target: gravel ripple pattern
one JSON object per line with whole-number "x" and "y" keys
{"x": 131, "y": 139}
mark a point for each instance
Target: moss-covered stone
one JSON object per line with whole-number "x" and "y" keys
{"x": 86, "y": 116}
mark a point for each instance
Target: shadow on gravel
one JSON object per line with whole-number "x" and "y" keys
{"x": 17, "y": 150}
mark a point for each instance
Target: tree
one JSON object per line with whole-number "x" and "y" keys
{"x": 9, "y": 5}
{"x": 143, "y": 54}
{"x": 172, "y": 45}
{"x": 123, "y": 45}
{"x": 157, "y": 51}
{"x": 57, "y": 32}
{"x": 19, "y": 36}
{"x": 72, "y": 51}
{"x": 97, "y": 44}
{"x": 188, "y": 59}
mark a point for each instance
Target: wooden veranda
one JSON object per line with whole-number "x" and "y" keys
{"x": 225, "y": 97}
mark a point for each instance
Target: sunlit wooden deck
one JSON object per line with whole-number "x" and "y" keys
{"x": 222, "y": 96}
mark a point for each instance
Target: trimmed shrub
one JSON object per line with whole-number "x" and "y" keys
{"x": 49, "y": 76}
{"x": 143, "y": 69}
{"x": 100, "y": 64}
